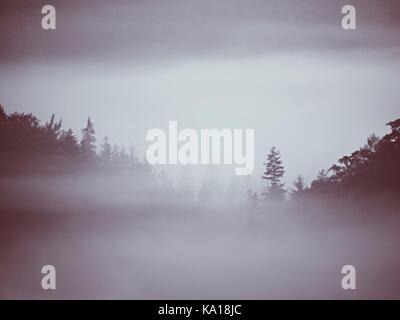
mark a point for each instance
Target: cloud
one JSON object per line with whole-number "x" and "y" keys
{"x": 161, "y": 31}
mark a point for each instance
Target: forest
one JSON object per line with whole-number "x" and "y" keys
{"x": 114, "y": 227}
{"x": 30, "y": 148}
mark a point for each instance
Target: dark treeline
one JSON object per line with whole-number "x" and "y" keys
{"x": 372, "y": 172}
{"x": 375, "y": 167}
{"x": 27, "y": 146}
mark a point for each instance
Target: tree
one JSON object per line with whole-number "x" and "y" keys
{"x": 88, "y": 146}
{"x": 372, "y": 143}
{"x": 299, "y": 187}
{"x": 274, "y": 172}
{"x": 322, "y": 175}
{"x": 115, "y": 154}
{"x": 53, "y": 128}
{"x": 123, "y": 159}
{"x": 394, "y": 136}
{"x": 133, "y": 159}
{"x": 28, "y": 146}
{"x": 69, "y": 143}
{"x": 105, "y": 152}
{"x": 349, "y": 166}
{"x": 372, "y": 169}
{"x": 51, "y": 141}
{"x": 252, "y": 199}
{"x": 322, "y": 178}
{"x": 3, "y": 114}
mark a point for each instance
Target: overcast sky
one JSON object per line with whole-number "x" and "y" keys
{"x": 285, "y": 68}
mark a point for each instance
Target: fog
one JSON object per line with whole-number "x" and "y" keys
{"x": 108, "y": 239}
{"x": 301, "y": 102}
{"x": 272, "y": 66}
{"x": 115, "y": 227}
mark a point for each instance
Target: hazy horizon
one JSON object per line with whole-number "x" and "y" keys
{"x": 109, "y": 226}
{"x": 289, "y": 71}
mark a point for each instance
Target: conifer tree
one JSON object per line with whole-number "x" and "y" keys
{"x": 274, "y": 172}
{"x": 88, "y": 146}
{"x": 252, "y": 199}
{"x": 299, "y": 187}
{"x": 105, "y": 152}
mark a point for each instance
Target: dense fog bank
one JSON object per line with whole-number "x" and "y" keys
{"x": 124, "y": 242}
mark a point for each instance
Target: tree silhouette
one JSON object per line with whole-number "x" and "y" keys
{"x": 123, "y": 159}
{"x": 69, "y": 149}
{"x": 299, "y": 187}
{"x": 274, "y": 172}
{"x": 394, "y": 136}
{"x": 373, "y": 168}
{"x": 53, "y": 128}
{"x": 105, "y": 152}
{"x": 3, "y": 114}
{"x": 321, "y": 180}
{"x": 252, "y": 199}
{"x": 133, "y": 159}
{"x": 27, "y": 147}
{"x": 88, "y": 146}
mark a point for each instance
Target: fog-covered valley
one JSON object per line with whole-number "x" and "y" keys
{"x": 133, "y": 243}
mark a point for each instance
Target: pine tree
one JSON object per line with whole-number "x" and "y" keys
{"x": 69, "y": 146}
{"x": 252, "y": 199}
{"x": 299, "y": 187}
{"x": 88, "y": 145}
{"x": 133, "y": 159}
{"x": 51, "y": 137}
{"x": 105, "y": 152}
{"x": 322, "y": 175}
{"x": 69, "y": 142}
{"x": 115, "y": 154}
{"x": 322, "y": 180}
{"x": 274, "y": 171}
{"x": 123, "y": 159}
{"x": 3, "y": 114}
{"x": 53, "y": 128}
